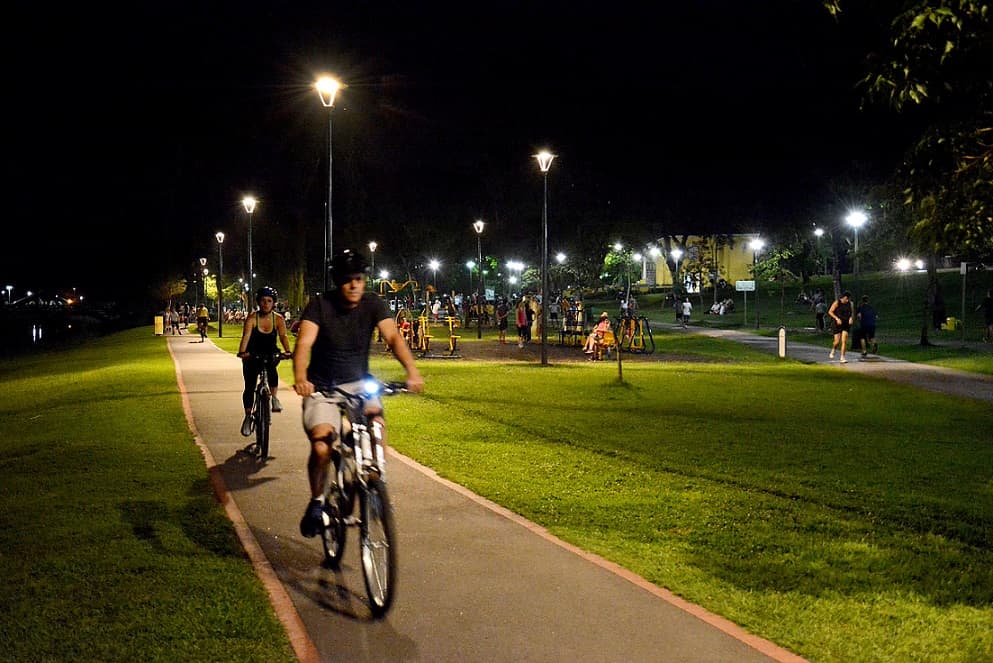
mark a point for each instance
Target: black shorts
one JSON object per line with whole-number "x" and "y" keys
{"x": 843, "y": 326}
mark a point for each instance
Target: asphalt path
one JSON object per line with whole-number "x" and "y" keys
{"x": 923, "y": 376}
{"x": 476, "y": 582}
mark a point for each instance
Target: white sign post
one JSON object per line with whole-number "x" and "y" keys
{"x": 745, "y": 287}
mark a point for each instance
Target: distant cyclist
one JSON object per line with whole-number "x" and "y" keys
{"x": 203, "y": 318}
{"x": 333, "y": 350}
{"x": 258, "y": 340}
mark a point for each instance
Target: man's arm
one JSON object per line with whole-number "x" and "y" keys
{"x": 388, "y": 330}
{"x": 834, "y": 306}
{"x": 301, "y": 357}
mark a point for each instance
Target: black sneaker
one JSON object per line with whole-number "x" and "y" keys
{"x": 313, "y": 519}
{"x": 276, "y": 405}
{"x": 247, "y": 425}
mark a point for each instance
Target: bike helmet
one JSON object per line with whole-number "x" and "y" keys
{"x": 265, "y": 291}
{"x": 346, "y": 264}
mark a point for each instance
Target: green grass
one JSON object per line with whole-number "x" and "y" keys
{"x": 112, "y": 544}
{"x": 843, "y": 517}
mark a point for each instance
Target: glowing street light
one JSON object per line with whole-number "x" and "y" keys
{"x": 470, "y": 265}
{"x": 856, "y": 219}
{"x": 327, "y": 88}
{"x": 220, "y": 286}
{"x": 676, "y": 254}
{"x": 481, "y": 300}
{"x": 250, "y": 202}
{"x": 545, "y": 159}
{"x": 9, "y": 288}
{"x": 434, "y": 265}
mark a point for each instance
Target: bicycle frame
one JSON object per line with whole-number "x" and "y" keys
{"x": 359, "y": 470}
{"x": 262, "y": 405}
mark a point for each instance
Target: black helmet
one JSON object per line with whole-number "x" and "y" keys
{"x": 265, "y": 291}
{"x": 345, "y": 264}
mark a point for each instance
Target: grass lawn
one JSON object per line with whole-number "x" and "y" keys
{"x": 846, "y": 518}
{"x": 112, "y": 544}
{"x": 842, "y": 517}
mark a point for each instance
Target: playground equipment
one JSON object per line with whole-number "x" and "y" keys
{"x": 636, "y": 335}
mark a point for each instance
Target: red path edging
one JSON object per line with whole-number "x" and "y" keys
{"x": 767, "y": 648}
{"x": 286, "y": 612}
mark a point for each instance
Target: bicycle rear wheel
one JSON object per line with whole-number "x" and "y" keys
{"x": 379, "y": 567}
{"x": 263, "y": 417}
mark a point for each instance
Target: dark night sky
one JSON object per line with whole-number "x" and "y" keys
{"x": 133, "y": 135}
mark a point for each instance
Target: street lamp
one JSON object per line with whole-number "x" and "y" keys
{"x": 819, "y": 232}
{"x": 250, "y": 202}
{"x": 434, "y": 265}
{"x": 9, "y": 288}
{"x": 856, "y": 220}
{"x": 470, "y": 265}
{"x": 220, "y": 286}
{"x": 372, "y": 252}
{"x": 478, "y": 227}
{"x": 327, "y": 88}
{"x": 545, "y": 159}
{"x": 676, "y": 254}
{"x": 756, "y": 245}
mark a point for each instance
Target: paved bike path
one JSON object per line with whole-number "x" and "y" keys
{"x": 933, "y": 378}
{"x": 476, "y": 583}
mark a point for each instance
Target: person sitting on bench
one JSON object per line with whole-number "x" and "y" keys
{"x": 597, "y": 334}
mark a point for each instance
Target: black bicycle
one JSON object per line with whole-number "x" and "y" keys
{"x": 357, "y": 470}
{"x": 262, "y": 405}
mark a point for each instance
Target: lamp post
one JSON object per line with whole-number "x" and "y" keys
{"x": 220, "y": 286}
{"x": 470, "y": 265}
{"x": 9, "y": 288}
{"x": 372, "y": 253}
{"x": 819, "y": 232}
{"x": 250, "y": 202}
{"x": 327, "y": 88}
{"x": 756, "y": 245}
{"x": 856, "y": 220}
{"x": 545, "y": 159}
{"x": 434, "y": 265}
{"x": 203, "y": 279}
{"x": 478, "y": 227}
{"x": 676, "y": 254}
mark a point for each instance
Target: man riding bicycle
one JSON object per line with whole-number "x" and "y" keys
{"x": 258, "y": 341}
{"x": 203, "y": 318}
{"x": 333, "y": 349}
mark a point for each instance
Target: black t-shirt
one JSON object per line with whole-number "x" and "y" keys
{"x": 867, "y": 315}
{"x": 341, "y": 351}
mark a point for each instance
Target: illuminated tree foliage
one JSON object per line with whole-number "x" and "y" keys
{"x": 938, "y": 62}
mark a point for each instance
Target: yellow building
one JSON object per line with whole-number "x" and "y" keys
{"x": 732, "y": 254}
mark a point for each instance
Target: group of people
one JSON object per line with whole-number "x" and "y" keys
{"x": 845, "y": 316}
{"x": 177, "y": 318}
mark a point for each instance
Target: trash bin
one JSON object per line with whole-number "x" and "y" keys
{"x": 159, "y": 325}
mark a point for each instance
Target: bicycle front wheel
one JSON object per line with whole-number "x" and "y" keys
{"x": 263, "y": 414}
{"x": 379, "y": 551}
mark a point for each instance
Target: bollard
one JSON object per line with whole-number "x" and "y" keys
{"x": 782, "y": 342}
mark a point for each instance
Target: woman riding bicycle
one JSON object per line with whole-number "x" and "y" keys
{"x": 258, "y": 340}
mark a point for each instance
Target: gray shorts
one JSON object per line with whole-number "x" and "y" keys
{"x": 319, "y": 408}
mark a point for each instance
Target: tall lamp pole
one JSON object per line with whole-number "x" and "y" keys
{"x": 327, "y": 88}
{"x": 220, "y": 285}
{"x": 676, "y": 253}
{"x": 756, "y": 245}
{"x": 203, "y": 276}
{"x": 250, "y": 202}
{"x": 478, "y": 227}
{"x": 372, "y": 252}
{"x": 545, "y": 159}
{"x": 856, "y": 220}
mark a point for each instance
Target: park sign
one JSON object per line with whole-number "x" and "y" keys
{"x": 744, "y": 286}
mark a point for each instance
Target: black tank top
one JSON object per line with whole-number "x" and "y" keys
{"x": 260, "y": 343}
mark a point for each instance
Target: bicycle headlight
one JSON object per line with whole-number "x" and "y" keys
{"x": 371, "y": 387}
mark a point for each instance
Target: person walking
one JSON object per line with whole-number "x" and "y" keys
{"x": 333, "y": 349}
{"x": 687, "y": 309}
{"x": 521, "y": 320}
{"x": 866, "y": 316}
{"x": 986, "y": 306}
{"x": 843, "y": 316}
{"x": 502, "y": 311}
